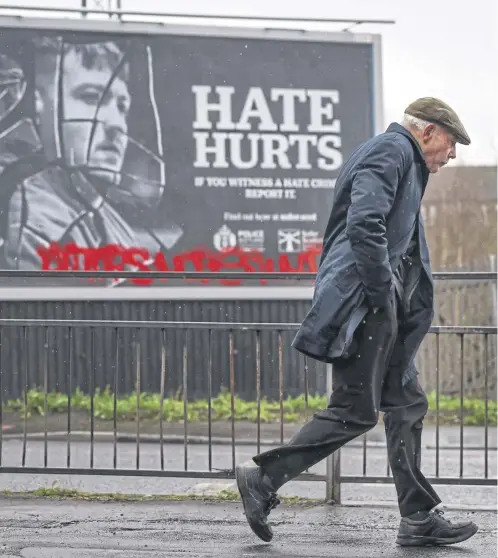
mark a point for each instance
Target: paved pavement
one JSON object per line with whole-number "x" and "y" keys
{"x": 67, "y": 529}
{"x": 198, "y": 460}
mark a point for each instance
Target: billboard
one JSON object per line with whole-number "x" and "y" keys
{"x": 176, "y": 150}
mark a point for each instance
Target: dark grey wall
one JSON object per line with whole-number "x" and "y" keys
{"x": 18, "y": 352}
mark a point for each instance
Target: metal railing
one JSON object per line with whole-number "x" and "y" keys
{"x": 213, "y": 275}
{"x": 71, "y": 461}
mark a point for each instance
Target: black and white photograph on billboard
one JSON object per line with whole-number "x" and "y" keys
{"x": 171, "y": 152}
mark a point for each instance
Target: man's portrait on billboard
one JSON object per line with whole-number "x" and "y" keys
{"x": 88, "y": 167}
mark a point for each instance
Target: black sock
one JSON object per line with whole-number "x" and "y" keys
{"x": 269, "y": 482}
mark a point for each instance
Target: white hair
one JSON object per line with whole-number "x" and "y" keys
{"x": 413, "y": 121}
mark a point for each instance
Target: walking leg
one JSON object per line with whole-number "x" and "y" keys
{"x": 422, "y": 523}
{"x": 352, "y": 410}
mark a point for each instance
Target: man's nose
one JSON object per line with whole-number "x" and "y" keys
{"x": 114, "y": 121}
{"x": 452, "y": 154}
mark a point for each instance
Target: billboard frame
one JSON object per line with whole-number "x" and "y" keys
{"x": 201, "y": 292}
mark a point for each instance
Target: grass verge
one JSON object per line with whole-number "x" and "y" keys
{"x": 56, "y": 493}
{"x": 294, "y": 409}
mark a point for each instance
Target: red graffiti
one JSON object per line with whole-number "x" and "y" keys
{"x": 113, "y": 257}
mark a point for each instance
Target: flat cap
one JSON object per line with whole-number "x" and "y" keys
{"x": 436, "y": 111}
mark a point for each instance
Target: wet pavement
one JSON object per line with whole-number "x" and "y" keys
{"x": 78, "y": 529}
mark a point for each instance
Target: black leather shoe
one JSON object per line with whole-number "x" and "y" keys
{"x": 258, "y": 499}
{"x": 434, "y": 530}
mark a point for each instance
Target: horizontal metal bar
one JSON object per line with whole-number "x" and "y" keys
{"x": 121, "y": 12}
{"x": 464, "y": 275}
{"x": 229, "y": 474}
{"x": 463, "y": 481}
{"x": 225, "y": 474}
{"x": 185, "y": 292}
{"x": 464, "y": 330}
{"x": 212, "y": 275}
{"x": 225, "y": 326}
{"x": 148, "y": 324}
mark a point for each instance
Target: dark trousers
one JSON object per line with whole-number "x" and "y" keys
{"x": 368, "y": 382}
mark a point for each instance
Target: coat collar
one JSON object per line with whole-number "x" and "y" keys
{"x": 395, "y": 127}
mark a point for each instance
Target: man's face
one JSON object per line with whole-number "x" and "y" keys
{"x": 94, "y": 133}
{"x": 439, "y": 146}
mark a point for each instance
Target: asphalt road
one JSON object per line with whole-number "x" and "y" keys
{"x": 41, "y": 529}
{"x": 197, "y": 457}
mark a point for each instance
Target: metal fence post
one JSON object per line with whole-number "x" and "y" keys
{"x": 333, "y": 462}
{"x": 492, "y": 262}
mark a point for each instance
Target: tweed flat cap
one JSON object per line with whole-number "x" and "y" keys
{"x": 436, "y": 111}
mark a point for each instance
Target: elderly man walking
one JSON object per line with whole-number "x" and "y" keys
{"x": 372, "y": 307}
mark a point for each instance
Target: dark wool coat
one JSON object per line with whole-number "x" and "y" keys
{"x": 375, "y": 215}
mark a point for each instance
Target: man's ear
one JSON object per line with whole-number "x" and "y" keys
{"x": 429, "y": 132}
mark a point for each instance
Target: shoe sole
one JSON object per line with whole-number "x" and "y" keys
{"x": 414, "y": 540}
{"x": 240, "y": 478}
